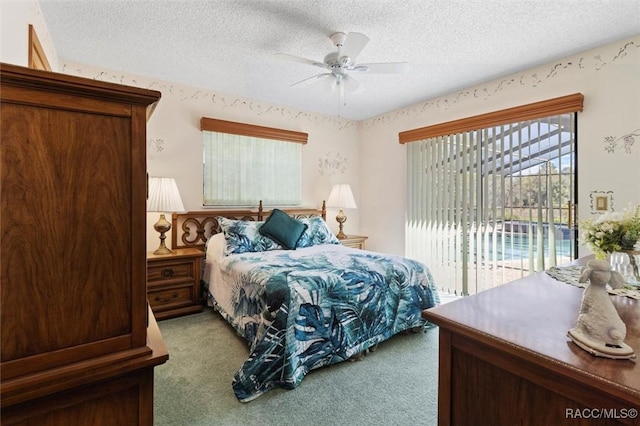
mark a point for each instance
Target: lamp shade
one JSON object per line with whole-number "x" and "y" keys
{"x": 164, "y": 195}
{"x": 341, "y": 197}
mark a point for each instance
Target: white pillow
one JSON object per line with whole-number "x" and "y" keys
{"x": 216, "y": 246}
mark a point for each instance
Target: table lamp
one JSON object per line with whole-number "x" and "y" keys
{"x": 342, "y": 198}
{"x": 163, "y": 197}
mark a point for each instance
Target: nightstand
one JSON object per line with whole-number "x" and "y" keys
{"x": 355, "y": 241}
{"x": 173, "y": 282}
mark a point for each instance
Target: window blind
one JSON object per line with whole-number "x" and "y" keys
{"x": 243, "y": 164}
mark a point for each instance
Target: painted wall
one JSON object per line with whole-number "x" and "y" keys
{"x": 608, "y": 133}
{"x": 15, "y": 17}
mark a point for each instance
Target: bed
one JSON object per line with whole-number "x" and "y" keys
{"x": 302, "y": 307}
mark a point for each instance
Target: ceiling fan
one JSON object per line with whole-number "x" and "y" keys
{"x": 340, "y": 65}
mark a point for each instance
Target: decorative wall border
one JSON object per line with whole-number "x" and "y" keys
{"x": 534, "y": 79}
{"x": 224, "y": 101}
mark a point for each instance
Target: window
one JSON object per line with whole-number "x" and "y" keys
{"x": 244, "y": 164}
{"x": 491, "y": 198}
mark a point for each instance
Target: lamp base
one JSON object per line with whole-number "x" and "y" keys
{"x": 162, "y": 226}
{"x": 341, "y": 218}
{"x": 162, "y": 249}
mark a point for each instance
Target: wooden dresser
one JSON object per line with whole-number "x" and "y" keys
{"x": 173, "y": 282}
{"x": 79, "y": 342}
{"x": 505, "y": 359}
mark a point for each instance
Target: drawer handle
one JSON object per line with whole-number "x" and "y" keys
{"x": 167, "y": 272}
{"x": 168, "y": 299}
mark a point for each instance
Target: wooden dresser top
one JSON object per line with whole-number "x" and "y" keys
{"x": 530, "y": 318}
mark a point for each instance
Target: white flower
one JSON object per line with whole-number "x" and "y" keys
{"x": 612, "y": 231}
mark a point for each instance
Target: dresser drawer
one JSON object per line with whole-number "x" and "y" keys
{"x": 171, "y": 297}
{"x": 161, "y": 272}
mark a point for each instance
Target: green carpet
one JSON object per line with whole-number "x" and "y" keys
{"x": 395, "y": 385}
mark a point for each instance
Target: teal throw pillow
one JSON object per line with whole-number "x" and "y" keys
{"x": 283, "y": 229}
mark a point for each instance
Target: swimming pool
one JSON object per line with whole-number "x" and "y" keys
{"x": 516, "y": 246}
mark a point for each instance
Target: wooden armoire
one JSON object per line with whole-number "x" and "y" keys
{"x": 78, "y": 341}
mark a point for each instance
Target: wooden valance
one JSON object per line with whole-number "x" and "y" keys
{"x": 556, "y": 106}
{"x": 232, "y": 127}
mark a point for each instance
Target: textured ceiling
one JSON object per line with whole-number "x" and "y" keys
{"x": 229, "y": 46}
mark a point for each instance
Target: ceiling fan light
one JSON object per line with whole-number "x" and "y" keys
{"x": 328, "y": 81}
{"x": 351, "y": 85}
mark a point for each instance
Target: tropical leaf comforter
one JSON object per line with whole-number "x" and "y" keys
{"x": 306, "y": 308}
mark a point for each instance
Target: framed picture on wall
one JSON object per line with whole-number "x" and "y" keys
{"x": 601, "y": 201}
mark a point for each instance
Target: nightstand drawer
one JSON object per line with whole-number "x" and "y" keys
{"x": 171, "y": 297}
{"x": 169, "y": 271}
{"x": 354, "y": 241}
{"x": 173, "y": 283}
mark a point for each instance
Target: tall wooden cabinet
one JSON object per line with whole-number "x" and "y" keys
{"x": 78, "y": 341}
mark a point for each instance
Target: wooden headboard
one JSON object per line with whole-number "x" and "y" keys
{"x": 192, "y": 229}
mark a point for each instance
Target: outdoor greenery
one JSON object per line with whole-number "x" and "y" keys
{"x": 527, "y": 192}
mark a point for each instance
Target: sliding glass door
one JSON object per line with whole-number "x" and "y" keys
{"x": 489, "y": 206}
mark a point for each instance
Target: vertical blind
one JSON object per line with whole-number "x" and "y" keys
{"x": 243, "y": 164}
{"x": 491, "y": 204}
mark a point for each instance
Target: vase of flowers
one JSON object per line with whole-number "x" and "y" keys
{"x": 612, "y": 232}
{"x": 614, "y": 236}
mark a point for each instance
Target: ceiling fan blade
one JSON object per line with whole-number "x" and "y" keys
{"x": 301, "y": 60}
{"x": 353, "y": 45}
{"x": 383, "y": 68}
{"x": 351, "y": 85}
{"x": 309, "y": 80}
